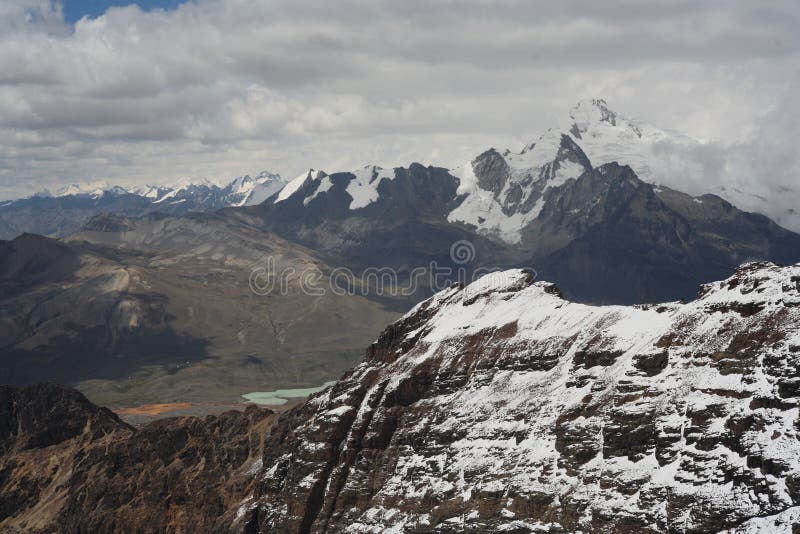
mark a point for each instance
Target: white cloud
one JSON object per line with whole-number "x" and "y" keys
{"x": 217, "y": 88}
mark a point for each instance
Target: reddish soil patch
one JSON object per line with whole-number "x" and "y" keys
{"x": 153, "y": 409}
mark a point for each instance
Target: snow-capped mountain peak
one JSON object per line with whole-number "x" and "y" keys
{"x": 295, "y": 185}
{"x": 590, "y": 111}
{"x": 505, "y": 192}
{"x": 606, "y": 136}
{"x": 247, "y": 190}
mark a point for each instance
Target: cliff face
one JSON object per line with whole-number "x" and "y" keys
{"x": 503, "y": 407}
{"x": 69, "y": 466}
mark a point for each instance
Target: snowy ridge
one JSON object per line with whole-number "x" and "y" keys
{"x": 362, "y": 188}
{"x": 295, "y": 185}
{"x": 501, "y": 406}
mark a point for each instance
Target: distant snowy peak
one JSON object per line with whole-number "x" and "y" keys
{"x": 660, "y": 156}
{"x": 299, "y": 183}
{"x": 502, "y": 193}
{"x": 183, "y": 191}
{"x": 606, "y": 136}
{"x": 362, "y": 186}
{"x": 72, "y": 189}
{"x": 655, "y": 155}
{"x": 94, "y": 189}
{"x": 242, "y": 191}
{"x": 153, "y": 192}
{"x": 505, "y": 192}
{"x": 248, "y": 191}
{"x": 588, "y": 112}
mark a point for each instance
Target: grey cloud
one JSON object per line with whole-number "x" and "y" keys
{"x": 218, "y": 88}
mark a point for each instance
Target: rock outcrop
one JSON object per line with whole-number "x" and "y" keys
{"x": 502, "y": 407}
{"x": 69, "y": 466}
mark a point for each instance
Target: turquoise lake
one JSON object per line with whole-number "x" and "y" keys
{"x": 281, "y": 396}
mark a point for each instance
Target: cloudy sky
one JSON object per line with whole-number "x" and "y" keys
{"x": 217, "y": 88}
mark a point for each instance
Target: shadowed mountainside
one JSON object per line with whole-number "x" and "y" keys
{"x": 161, "y": 310}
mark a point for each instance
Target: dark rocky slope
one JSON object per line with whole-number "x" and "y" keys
{"x": 609, "y": 237}
{"x": 69, "y": 466}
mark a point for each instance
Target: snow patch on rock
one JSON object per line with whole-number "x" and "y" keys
{"x": 363, "y": 188}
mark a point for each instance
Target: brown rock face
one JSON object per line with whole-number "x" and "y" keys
{"x": 502, "y": 407}
{"x": 69, "y": 466}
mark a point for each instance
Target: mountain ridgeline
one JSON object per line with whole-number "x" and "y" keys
{"x": 586, "y": 205}
{"x": 502, "y": 407}
{"x": 601, "y": 233}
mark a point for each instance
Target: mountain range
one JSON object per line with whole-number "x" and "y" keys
{"x": 597, "y": 229}
{"x": 65, "y": 211}
{"x": 658, "y": 157}
{"x": 152, "y": 306}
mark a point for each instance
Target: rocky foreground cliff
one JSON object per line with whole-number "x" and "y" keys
{"x": 501, "y": 407}
{"x": 496, "y": 407}
{"x": 69, "y": 466}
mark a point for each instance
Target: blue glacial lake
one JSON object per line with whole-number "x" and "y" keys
{"x": 282, "y": 396}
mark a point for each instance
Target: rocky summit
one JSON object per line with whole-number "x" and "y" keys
{"x": 502, "y": 407}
